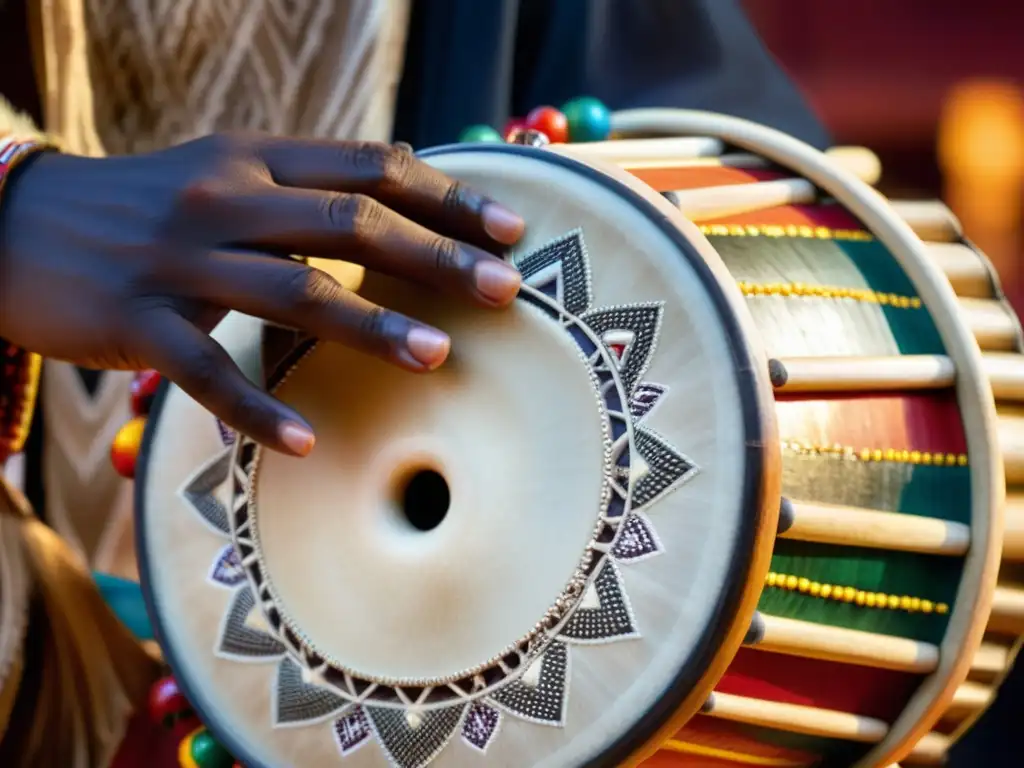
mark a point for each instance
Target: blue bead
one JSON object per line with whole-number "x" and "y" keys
{"x": 589, "y": 119}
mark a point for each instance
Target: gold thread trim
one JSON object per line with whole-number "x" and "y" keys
{"x": 801, "y": 290}
{"x": 689, "y": 748}
{"x": 893, "y": 455}
{"x": 845, "y": 594}
{"x": 785, "y": 230}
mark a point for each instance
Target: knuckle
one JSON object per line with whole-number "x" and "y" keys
{"x": 459, "y": 198}
{"x": 369, "y": 219}
{"x": 373, "y": 322}
{"x": 202, "y": 369}
{"x": 340, "y": 211}
{"x": 398, "y": 168}
{"x": 447, "y": 255}
{"x": 371, "y": 158}
{"x": 307, "y": 289}
{"x": 248, "y": 412}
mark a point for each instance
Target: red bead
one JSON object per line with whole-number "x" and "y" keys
{"x": 167, "y": 704}
{"x": 144, "y": 387}
{"x": 551, "y": 122}
{"x": 513, "y": 125}
{"x": 124, "y": 451}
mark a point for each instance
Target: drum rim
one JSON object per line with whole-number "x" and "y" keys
{"x": 692, "y": 684}
{"x": 977, "y": 584}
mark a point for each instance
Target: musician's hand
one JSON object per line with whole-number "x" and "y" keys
{"x": 129, "y": 262}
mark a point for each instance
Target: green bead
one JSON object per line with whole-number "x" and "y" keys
{"x": 480, "y": 134}
{"x": 207, "y": 753}
{"x": 589, "y": 119}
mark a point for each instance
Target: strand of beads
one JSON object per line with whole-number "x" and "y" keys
{"x": 169, "y": 708}
{"x": 579, "y": 120}
{"x": 124, "y": 451}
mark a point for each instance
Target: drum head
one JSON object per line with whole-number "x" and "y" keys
{"x": 544, "y": 551}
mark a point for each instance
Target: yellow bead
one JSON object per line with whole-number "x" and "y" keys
{"x": 915, "y": 604}
{"x": 791, "y": 582}
{"x": 962, "y": 459}
{"x": 826, "y": 590}
{"x": 927, "y": 606}
{"x": 861, "y": 597}
{"x": 942, "y": 608}
{"x": 865, "y": 454}
{"x": 915, "y": 457}
{"x": 926, "y": 458}
{"x": 804, "y": 584}
{"x": 771, "y": 579}
{"x": 876, "y": 455}
{"x": 185, "y": 759}
{"x": 893, "y": 602}
{"x": 815, "y": 588}
{"x": 869, "y": 599}
{"x": 905, "y": 603}
{"x": 124, "y": 450}
{"x": 891, "y": 454}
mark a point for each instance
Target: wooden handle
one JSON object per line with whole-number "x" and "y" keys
{"x": 854, "y": 527}
{"x": 991, "y": 322}
{"x": 930, "y": 220}
{"x": 846, "y": 646}
{"x": 966, "y": 270}
{"x": 861, "y": 374}
{"x": 1013, "y": 528}
{"x": 796, "y": 718}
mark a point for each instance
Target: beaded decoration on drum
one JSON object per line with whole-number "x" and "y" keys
{"x": 413, "y": 721}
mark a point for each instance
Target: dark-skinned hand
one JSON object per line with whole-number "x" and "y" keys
{"x": 129, "y": 262}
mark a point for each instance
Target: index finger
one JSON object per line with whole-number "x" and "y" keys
{"x": 395, "y": 177}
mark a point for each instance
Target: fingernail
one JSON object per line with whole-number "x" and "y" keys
{"x": 496, "y": 281}
{"x": 297, "y": 438}
{"x": 501, "y": 224}
{"x": 428, "y": 346}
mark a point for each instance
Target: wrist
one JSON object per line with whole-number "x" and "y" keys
{"x": 19, "y": 369}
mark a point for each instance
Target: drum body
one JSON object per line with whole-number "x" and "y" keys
{"x": 725, "y": 493}
{"x": 866, "y": 644}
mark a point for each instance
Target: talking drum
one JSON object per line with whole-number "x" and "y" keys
{"x": 716, "y": 493}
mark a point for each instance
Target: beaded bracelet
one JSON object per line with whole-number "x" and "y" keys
{"x": 19, "y": 369}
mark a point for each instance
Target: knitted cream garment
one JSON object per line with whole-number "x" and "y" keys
{"x": 164, "y": 71}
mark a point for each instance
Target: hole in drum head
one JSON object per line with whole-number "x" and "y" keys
{"x": 424, "y": 499}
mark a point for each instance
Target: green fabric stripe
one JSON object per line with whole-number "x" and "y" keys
{"x": 901, "y": 573}
{"x": 928, "y": 491}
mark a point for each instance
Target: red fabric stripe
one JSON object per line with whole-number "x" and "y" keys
{"x": 877, "y": 693}
{"x": 831, "y": 216}
{"x": 913, "y": 422}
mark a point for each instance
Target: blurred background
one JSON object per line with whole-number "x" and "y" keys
{"x": 934, "y": 87}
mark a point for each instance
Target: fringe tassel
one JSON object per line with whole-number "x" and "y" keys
{"x": 93, "y": 674}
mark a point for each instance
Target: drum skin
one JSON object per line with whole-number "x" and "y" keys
{"x": 287, "y": 606}
{"x": 880, "y": 632}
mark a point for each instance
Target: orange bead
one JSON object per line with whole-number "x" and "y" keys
{"x": 124, "y": 451}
